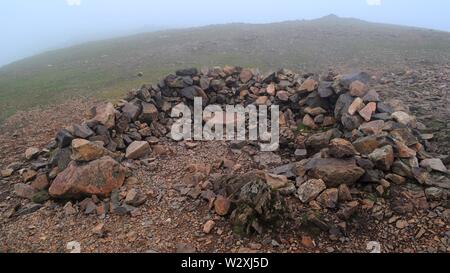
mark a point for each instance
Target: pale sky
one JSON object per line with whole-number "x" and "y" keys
{"x": 32, "y": 26}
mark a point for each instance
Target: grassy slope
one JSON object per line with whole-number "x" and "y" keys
{"x": 108, "y": 68}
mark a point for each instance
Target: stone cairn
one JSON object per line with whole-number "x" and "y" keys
{"x": 340, "y": 133}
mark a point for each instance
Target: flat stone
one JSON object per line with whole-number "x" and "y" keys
{"x": 137, "y": 149}
{"x": 309, "y": 190}
{"x": 334, "y": 172}
{"x": 434, "y": 164}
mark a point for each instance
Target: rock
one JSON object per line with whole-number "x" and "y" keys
{"x": 434, "y": 194}
{"x": 325, "y": 89}
{"x": 404, "y": 151}
{"x": 189, "y": 72}
{"x": 341, "y": 148}
{"x": 40, "y": 183}
{"x": 85, "y": 150}
{"x": 319, "y": 141}
{"x": 222, "y": 205}
{"x": 28, "y": 209}
{"x": 24, "y": 191}
{"x": 342, "y": 104}
{"x": 396, "y": 179}
{"x": 356, "y": 105}
{"x": 371, "y": 96}
{"x": 99, "y": 177}
{"x": 137, "y": 149}
{"x": 300, "y": 154}
{"x": 372, "y": 128}
{"x": 315, "y": 111}
{"x": 403, "y": 118}
{"x": 334, "y": 172}
{"x": 32, "y": 153}
{"x": 99, "y": 230}
{"x": 267, "y": 159}
{"x": 191, "y": 92}
{"x": 401, "y": 224}
{"x": 276, "y": 182}
{"x": 104, "y": 114}
{"x": 135, "y": 198}
{"x": 271, "y": 89}
{"x": 434, "y": 164}
{"x": 366, "y": 145}
{"x": 82, "y": 131}
{"x": 309, "y": 122}
{"x": 149, "y": 113}
{"x": 209, "y": 225}
{"x": 283, "y": 95}
{"x": 7, "y": 172}
{"x": 309, "y": 190}
{"x": 69, "y": 209}
{"x": 344, "y": 194}
{"x": 383, "y": 157}
{"x": 246, "y": 75}
{"x": 131, "y": 110}
{"x": 28, "y": 175}
{"x": 367, "y": 111}
{"x": 358, "y": 89}
{"x": 262, "y": 100}
{"x": 64, "y": 138}
{"x": 329, "y": 198}
{"x": 40, "y": 197}
{"x": 348, "y": 210}
{"x": 309, "y": 85}
{"x": 351, "y": 122}
{"x": 307, "y": 242}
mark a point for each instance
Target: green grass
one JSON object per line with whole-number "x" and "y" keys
{"x": 108, "y": 69}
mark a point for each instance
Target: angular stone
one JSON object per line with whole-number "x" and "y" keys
{"x": 342, "y": 104}
{"x": 105, "y": 115}
{"x": 371, "y": 96}
{"x": 7, "y": 172}
{"x": 149, "y": 113}
{"x": 28, "y": 175}
{"x": 41, "y": 182}
{"x": 131, "y": 110}
{"x": 334, "y": 172}
{"x": 209, "y": 225}
{"x": 309, "y": 122}
{"x": 319, "y": 141}
{"x": 404, "y": 151}
{"x": 64, "y": 138}
{"x": 271, "y": 89}
{"x": 341, "y": 148}
{"x": 329, "y": 198}
{"x": 85, "y": 150}
{"x": 434, "y": 164}
{"x": 356, "y": 105}
{"x": 309, "y": 85}
{"x": 135, "y": 198}
{"x": 315, "y": 111}
{"x": 367, "y": 111}
{"x": 137, "y": 149}
{"x": 358, "y": 89}
{"x": 344, "y": 193}
{"x": 246, "y": 75}
{"x": 396, "y": 179}
{"x": 31, "y": 153}
{"x": 283, "y": 95}
{"x": 404, "y": 118}
{"x": 24, "y": 191}
{"x": 191, "y": 92}
{"x": 372, "y": 128}
{"x": 309, "y": 190}
{"x": 82, "y": 131}
{"x": 383, "y": 157}
{"x": 262, "y": 100}
{"x": 347, "y": 80}
{"x": 99, "y": 177}
{"x": 366, "y": 145}
{"x": 351, "y": 122}
{"x": 276, "y": 182}
{"x": 434, "y": 194}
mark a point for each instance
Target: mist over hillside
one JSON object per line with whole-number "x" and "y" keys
{"x": 108, "y": 68}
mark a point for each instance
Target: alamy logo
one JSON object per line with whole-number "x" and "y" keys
{"x": 227, "y": 125}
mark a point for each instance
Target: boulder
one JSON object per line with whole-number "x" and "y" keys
{"x": 104, "y": 114}
{"x": 334, "y": 172}
{"x": 99, "y": 177}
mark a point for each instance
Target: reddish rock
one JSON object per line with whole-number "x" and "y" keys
{"x": 358, "y": 89}
{"x": 105, "y": 115}
{"x": 366, "y": 145}
{"x": 24, "y": 191}
{"x": 404, "y": 151}
{"x": 222, "y": 205}
{"x": 334, "y": 172}
{"x": 383, "y": 157}
{"x": 372, "y": 128}
{"x": 341, "y": 148}
{"x": 309, "y": 122}
{"x": 356, "y": 105}
{"x": 329, "y": 198}
{"x": 283, "y": 95}
{"x": 99, "y": 177}
{"x": 85, "y": 150}
{"x": 40, "y": 183}
{"x": 31, "y": 153}
{"x": 262, "y": 100}
{"x": 28, "y": 175}
{"x": 246, "y": 75}
{"x": 367, "y": 111}
{"x": 209, "y": 225}
{"x": 309, "y": 85}
{"x": 271, "y": 89}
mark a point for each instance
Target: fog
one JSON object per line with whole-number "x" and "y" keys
{"x": 30, "y": 27}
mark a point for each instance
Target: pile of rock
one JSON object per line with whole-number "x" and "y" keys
{"x": 335, "y": 128}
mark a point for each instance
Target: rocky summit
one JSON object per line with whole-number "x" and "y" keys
{"x": 345, "y": 154}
